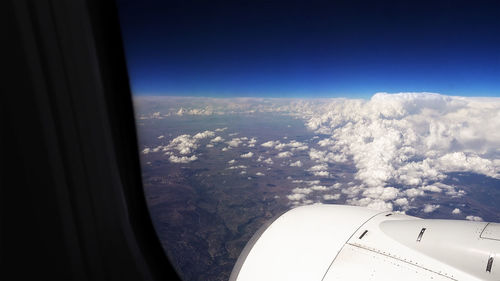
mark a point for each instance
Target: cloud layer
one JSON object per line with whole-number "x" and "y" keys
{"x": 410, "y": 140}
{"x": 394, "y": 148}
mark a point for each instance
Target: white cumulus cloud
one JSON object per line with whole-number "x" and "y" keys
{"x": 331, "y": 197}
{"x": 473, "y": 218}
{"x": 319, "y": 167}
{"x": 235, "y": 142}
{"x": 321, "y": 173}
{"x": 429, "y": 208}
{"x": 382, "y": 193}
{"x": 304, "y": 190}
{"x": 284, "y": 154}
{"x": 296, "y": 196}
{"x": 217, "y": 139}
{"x": 182, "y": 159}
{"x": 203, "y": 135}
{"x": 268, "y": 161}
{"x": 409, "y": 139}
{"x": 269, "y": 143}
{"x": 401, "y": 202}
{"x": 293, "y": 144}
{"x": 247, "y": 155}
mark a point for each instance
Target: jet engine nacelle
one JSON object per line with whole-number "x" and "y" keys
{"x": 336, "y": 242}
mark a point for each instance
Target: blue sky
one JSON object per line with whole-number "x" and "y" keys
{"x": 311, "y": 48}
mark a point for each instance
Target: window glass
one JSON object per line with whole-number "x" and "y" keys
{"x": 246, "y": 109}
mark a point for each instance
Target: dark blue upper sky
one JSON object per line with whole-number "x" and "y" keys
{"x": 311, "y": 48}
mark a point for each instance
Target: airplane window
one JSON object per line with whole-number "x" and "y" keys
{"x": 246, "y": 109}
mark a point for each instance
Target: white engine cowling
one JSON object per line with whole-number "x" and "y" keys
{"x": 337, "y": 242}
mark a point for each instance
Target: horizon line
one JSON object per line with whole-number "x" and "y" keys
{"x": 351, "y": 96}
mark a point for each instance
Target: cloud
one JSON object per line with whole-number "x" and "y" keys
{"x": 194, "y": 111}
{"x": 203, "y": 135}
{"x": 315, "y": 154}
{"x": 235, "y": 142}
{"x": 326, "y": 142}
{"x": 296, "y": 164}
{"x": 296, "y": 196}
{"x": 302, "y": 190}
{"x": 456, "y": 211}
{"x": 473, "y": 218}
{"x": 185, "y": 144}
{"x": 377, "y": 198}
{"x": 449, "y": 190}
{"x": 268, "y": 161}
{"x": 252, "y": 142}
{"x": 156, "y": 115}
{"x": 293, "y": 144}
{"x": 280, "y": 146}
{"x": 217, "y": 139}
{"x": 313, "y": 182}
{"x": 259, "y": 174}
{"x": 401, "y": 202}
{"x": 269, "y": 143}
{"x": 321, "y": 174}
{"x": 375, "y": 204}
{"x": 319, "y": 188}
{"x": 428, "y": 208}
{"x": 231, "y": 161}
{"x": 352, "y": 191}
{"x": 320, "y": 167}
{"x": 431, "y": 188}
{"x": 247, "y": 155}
{"x": 221, "y": 129}
{"x": 156, "y": 149}
{"x": 325, "y": 156}
{"x": 414, "y": 192}
{"x": 237, "y": 167}
{"x": 408, "y": 139}
{"x": 284, "y": 154}
{"x": 466, "y": 162}
{"x": 160, "y": 137}
{"x": 331, "y": 197}
{"x": 382, "y": 193}
{"x": 182, "y": 159}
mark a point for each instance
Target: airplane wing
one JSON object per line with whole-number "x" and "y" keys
{"x": 336, "y": 242}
